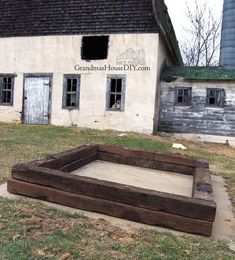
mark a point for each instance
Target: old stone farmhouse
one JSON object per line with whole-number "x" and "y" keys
{"x": 93, "y": 63}
{"x": 99, "y": 64}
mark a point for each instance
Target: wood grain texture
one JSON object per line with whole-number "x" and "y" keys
{"x": 139, "y": 197}
{"x": 50, "y": 179}
{"x": 202, "y": 185}
{"x": 198, "y": 117}
{"x": 111, "y": 208}
{"x": 153, "y": 156}
{"x": 145, "y": 163}
{"x": 60, "y": 160}
{"x": 79, "y": 163}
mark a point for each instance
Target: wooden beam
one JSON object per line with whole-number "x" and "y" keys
{"x": 153, "y": 156}
{"x": 202, "y": 185}
{"x": 111, "y": 208}
{"x": 58, "y": 161}
{"x": 145, "y": 163}
{"x": 139, "y": 197}
{"x": 79, "y": 163}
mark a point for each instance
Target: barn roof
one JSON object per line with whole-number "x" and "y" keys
{"x": 46, "y": 17}
{"x": 66, "y": 17}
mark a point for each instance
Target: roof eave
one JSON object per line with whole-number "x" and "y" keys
{"x": 168, "y": 33}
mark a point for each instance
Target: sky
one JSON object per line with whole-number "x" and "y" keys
{"x": 177, "y": 10}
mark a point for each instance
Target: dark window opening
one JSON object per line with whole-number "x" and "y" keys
{"x": 95, "y": 47}
{"x": 71, "y": 92}
{"x": 116, "y": 93}
{"x": 183, "y": 96}
{"x": 6, "y": 89}
{"x": 215, "y": 97}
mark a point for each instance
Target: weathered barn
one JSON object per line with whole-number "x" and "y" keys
{"x": 86, "y": 63}
{"x": 202, "y": 100}
{"x": 198, "y": 100}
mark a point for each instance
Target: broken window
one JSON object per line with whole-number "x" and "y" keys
{"x": 94, "y": 47}
{"x": 116, "y": 92}
{"x": 71, "y": 91}
{"x": 183, "y": 96}
{"x": 6, "y": 90}
{"x": 215, "y": 97}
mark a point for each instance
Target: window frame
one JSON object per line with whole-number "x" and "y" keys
{"x": 222, "y": 91}
{"x": 185, "y": 104}
{"x": 65, "y": 91}
{"x": 2, "y": 76}
{"x": 122, "y": 93}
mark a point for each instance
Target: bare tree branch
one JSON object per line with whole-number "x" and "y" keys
{"x": 202, "y": 44}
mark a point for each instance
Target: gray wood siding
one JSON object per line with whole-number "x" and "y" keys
{"x": 198, "y": 117}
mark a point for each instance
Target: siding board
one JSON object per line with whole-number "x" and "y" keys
{"x": 198, "y": 117}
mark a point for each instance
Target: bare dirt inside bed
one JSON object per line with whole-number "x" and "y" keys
{"x": 157, "y": 180}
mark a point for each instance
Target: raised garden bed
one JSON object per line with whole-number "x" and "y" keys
{"x": 52, "y": 179}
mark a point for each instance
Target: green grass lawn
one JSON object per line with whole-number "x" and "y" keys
{"x": 32, "y": 231}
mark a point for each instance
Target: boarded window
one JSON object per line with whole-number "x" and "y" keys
{"x": 215, "y": 97}
{"x": 183, "y": 96}
{"x": 71, "y": 95}
{"x": 6, "y": 90}
{"x": 116, "y": 92}
{"x": 95, "y": 47}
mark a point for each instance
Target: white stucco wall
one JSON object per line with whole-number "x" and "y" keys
{"x": 163, "y": 59}
{"x": 59, "y": 55}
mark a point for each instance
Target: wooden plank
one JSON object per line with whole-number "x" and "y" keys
{"x": 79, "y": 163}
{"x": 202, "y": 185}
{"x": 114, "y": 209}
{"x": 134, "y": 196}
{"x": 57, "y": 161}
{"x": 202, "y": 164}
{"x": 145, "y": 163}
{"x": 141, "y": 154}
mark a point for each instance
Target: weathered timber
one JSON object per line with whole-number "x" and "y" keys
{"x": 79, "y": 163}
{"x": 202, "y": 185}
{"x": 198, "y": 117}
{"x": 141, "y": 154}
{"x": 50, "y": 179}
{"x": 145, "y": 163}
{"x": 139, "y": 197}
{"x": 111, "y": 208}
{"x": 58, "y": 161}
{"x": 201, "y": 163}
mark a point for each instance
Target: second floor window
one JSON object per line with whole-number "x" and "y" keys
{"x": 94, "y": 48}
